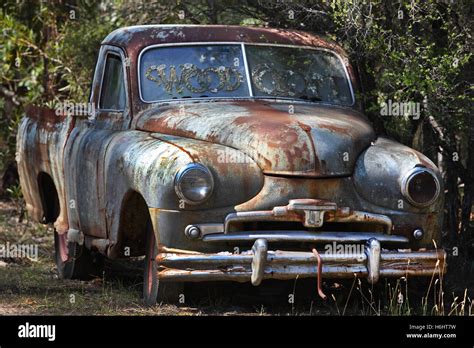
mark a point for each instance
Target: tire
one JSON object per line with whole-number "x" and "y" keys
{"x": 75, "y": 261}
{"x": 153, "y": 290}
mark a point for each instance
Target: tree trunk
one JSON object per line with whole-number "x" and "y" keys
{"x": 466, "y": 231}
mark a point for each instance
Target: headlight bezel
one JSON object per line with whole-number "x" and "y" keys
{"x": 406, "y": 183}
{"x": 178, "y": 179}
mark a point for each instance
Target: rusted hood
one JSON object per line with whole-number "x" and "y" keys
{"x": 283, "y": 138}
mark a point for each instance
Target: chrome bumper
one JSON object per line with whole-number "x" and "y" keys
{"x": 260, "y": 263}
{"x": 369, "y": 261}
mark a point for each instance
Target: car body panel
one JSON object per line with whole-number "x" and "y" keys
{"x": 308, "y": 169}
{"x": 283, "y": 138}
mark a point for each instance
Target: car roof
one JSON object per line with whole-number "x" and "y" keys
{"x": 134, "y": 38}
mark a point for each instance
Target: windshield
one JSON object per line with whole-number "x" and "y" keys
{"x": 219, "y": 71}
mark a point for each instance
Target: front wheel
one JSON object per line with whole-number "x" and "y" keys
{"x": 74, "y": 261}
{"x": 154, "y": 290}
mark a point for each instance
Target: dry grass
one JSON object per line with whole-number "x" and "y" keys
{"x": 33, "y": 287}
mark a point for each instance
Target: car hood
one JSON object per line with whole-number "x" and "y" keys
{"x": 283, "y": 139}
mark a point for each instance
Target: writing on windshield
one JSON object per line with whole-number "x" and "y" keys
{"x": 193, "y": 72}
{"x": 212, "y": 70}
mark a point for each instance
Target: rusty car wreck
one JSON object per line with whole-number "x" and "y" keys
{"x": 228, "y": 153}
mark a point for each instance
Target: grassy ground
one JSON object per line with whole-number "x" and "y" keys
{"x": 30, "y": 286}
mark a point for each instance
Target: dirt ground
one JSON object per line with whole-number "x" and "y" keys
{"x": 32, "y": 287}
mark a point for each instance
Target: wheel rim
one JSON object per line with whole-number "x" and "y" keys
{"x": 62, "y": 246}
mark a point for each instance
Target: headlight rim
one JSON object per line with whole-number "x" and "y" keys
{"x": 406, "y": 181}
{"x": 180, "y": 174}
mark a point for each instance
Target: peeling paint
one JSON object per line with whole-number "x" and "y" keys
{"x": 114, "y": 173}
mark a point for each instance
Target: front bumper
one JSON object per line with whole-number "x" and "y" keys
{"x": 366, "y": 257}
{"x": 260, "y": 263}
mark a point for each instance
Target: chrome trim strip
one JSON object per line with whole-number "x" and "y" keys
{"x": 304, "y": 236}
{"x": 247, "y": 73}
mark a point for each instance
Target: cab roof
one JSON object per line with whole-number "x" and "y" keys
{"x": 133, "y": 39}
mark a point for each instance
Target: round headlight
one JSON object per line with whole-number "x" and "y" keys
{"x": 420, "y": 187}
{"x": 194, "y": 183}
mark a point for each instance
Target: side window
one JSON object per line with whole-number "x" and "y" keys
{"x": 113, "y": 86}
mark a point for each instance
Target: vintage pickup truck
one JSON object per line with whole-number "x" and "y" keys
{"x": 228, "y": 153}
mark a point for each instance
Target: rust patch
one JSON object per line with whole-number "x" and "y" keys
{"x": 279, "y": 142}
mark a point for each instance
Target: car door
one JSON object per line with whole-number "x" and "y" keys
{"x": 90, "y": 138}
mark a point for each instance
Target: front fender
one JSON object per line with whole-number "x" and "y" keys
{"x": 147, "y": 164}
{"x": 379, "y": 172}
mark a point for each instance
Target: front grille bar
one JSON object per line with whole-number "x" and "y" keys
{"x": 311, "y": 213}
{"x": 305, "y": 237}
